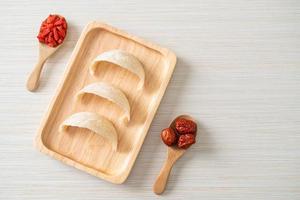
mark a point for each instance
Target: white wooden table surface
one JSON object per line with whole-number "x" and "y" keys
{"x": 238, "y": 73}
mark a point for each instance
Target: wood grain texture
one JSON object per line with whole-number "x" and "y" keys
{"x": 237, "y": 73}
{"x": 44, "y": 53}
{"x": 80, "y": 147}
{"x": 173, "y": 154}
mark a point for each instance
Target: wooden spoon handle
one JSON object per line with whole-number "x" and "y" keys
{"x": 162, "y": 179}
{"x": 33, "y": 80}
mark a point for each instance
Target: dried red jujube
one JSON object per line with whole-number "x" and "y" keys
{"x": 185, "y": 126}
{"x": 168, "y": 136}
{"x": 186, "y": 140}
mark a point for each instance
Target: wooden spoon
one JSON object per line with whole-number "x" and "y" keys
{"x": 173, "y": 154}
{"x": 44, "y": 53}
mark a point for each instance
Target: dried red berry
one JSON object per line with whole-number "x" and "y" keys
{"x": 51, "y": 19}
{"x": 186, "y": 140}
{"x": 59, "y": 22}
{"x": 44, "y": 32}
{"x": 168, "y": 136}
{"x": 56, "y": 37}
{"x": 50, "y": 26}
{"x": 53, "y": 30}
{"x": 185, "y": 126}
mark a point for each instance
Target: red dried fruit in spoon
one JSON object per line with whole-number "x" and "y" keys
{"x": 186, "y": 140}
{"x": 185, "y": 126}
{"x": 53, "y": 30}
{"x": 168, "y": 136}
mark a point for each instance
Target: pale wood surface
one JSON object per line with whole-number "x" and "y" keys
{"x": 80, "y": 147}
{"x": 238, "y": 74}
{"x": 173, "y": 154}
{"x": 44, "y": 53}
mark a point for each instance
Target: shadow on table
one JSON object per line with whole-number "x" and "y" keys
{"x": 153, "y": 145}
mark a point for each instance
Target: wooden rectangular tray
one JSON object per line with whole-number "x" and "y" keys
{"x": 81, "y": 148}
